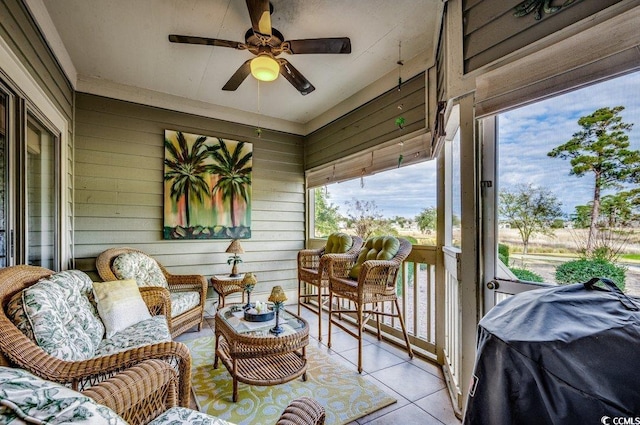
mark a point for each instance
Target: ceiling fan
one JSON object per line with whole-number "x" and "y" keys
{"x": 267, "y": 43}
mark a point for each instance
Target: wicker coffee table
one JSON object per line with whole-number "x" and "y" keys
{"x": 255, "y": 356}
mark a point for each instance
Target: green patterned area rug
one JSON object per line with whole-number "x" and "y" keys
{"x": 344, "y": 394}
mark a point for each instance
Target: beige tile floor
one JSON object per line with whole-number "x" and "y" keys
{"x": 418, "y": 385}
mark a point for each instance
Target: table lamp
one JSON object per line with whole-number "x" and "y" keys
{"x": 278, "y": 298}
{"x": 234, "y": 248}
{"x": 248, "y": 282}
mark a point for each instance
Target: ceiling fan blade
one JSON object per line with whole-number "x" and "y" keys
{"x": 188, "y": 39}
{"x": 260, "y": 13}
{"x": 238, "y": 77}
{"x": 318, "y": 45}
{"x": 295, "y": 77}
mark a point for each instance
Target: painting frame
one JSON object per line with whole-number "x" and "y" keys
{"x": 207, "y": 187}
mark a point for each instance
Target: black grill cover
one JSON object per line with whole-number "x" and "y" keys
{"x": 562, "y": 355}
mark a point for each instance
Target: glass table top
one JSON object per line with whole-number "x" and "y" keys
{"x": 233, "y": 316}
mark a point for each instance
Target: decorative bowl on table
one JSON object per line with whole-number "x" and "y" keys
{"x": 261, "y": 312}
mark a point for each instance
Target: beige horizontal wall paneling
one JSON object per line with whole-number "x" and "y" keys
{"x": 376, "y": 124}
{"x": 191, "y": 123}
{"x": 369, "y": 125}
{"x": 491, "y": 31}
{"x": 359, "y": 116}
{"x": 21, "y": 33}
{"x": 119, "y": 191}
{"x": 375, "y": 135}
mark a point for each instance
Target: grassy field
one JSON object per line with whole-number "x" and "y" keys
{"x": 547, "y": 252}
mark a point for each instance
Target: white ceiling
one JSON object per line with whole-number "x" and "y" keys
{"x": 119, "y": 48}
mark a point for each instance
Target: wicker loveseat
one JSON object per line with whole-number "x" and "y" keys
{"x": 72, "y": 363}
{"x": 187, "y": 292}
{"x": 142, "y": 394}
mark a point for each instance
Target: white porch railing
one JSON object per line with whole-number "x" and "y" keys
{"x": 416, "y": 292}
{"x": 452, "y": 317}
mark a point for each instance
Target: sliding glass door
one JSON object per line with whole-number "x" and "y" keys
{"x": 42, "y": 205}
{"x": 30, "y": 219}
{"x": 5, "y": 235}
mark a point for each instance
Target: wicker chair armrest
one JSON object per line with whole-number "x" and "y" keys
{"x": 188, "y": 282}
{"x": 339, "y": 265}
{"x": 302, "y": 411}
{"x": 371, "y": 265}
{"x": 140, "y": 393}
{"x": 157, "y": 300}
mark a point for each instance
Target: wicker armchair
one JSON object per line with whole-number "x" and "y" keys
{"x": 177, "y": 283}
{"x": 312, "y": 270}
{"x": 145, "y": 391}
{"x": 139, "y": 394}
{"x": 18, "y": 350}
{"x": 376, "y": 284}
{"x": 142, "y": 394}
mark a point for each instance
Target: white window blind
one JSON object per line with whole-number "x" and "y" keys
{"x": 605, "y": 50}
{"x": 414, "y": 148}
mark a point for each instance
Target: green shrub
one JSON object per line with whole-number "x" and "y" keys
{"x": 526, "y": 275}
{"x": 503, "y": 253}
{"x": 582, "y": 270}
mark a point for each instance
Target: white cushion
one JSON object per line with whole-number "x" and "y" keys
{"x": 182, "y": 415}
{"x": 147, "y": 332}
{"x": 183, "y": 301}
{"x": 120, "y": 304}
{"x": 144, "y": 269}
{"x": 62, "y": 318}
{"x": 26, "y": 398}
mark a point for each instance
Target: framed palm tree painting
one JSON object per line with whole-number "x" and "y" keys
{"x": 207, "y": 187}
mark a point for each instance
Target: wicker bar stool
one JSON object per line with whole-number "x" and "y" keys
{"x": 368, "y": 282}
{"x": 312, "y": 270}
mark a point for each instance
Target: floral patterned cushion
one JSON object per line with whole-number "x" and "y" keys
{"x": 26, "y": 398}
{"x": 182, "y": 415}
{"x": 15, "y": 313}
{"x": 142, "y": 333}
{"x": 183, "y": 301}
{"x": 64, "y": 321}
{"x": 141, "y": 267}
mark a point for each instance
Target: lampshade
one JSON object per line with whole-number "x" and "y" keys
{"x": 277, "y": 295}
{"x": 265, "y": 68}
{"x": 249, "y": 279}
{"x": 235, "y": 247}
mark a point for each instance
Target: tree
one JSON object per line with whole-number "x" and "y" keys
{"x": 187, "y": 170}
{"x": 427, "y": 219}
{"x": 582, "y": 217}
{"x": 327, "y": 217}
{"x": 529, "y": 209}
{"x": 403, "y": 222}
{"x": 601, "y": 148}
{"x": 365, "y": 219}
{"x": 234, "y": 174}
{"x": 620, "y": 209}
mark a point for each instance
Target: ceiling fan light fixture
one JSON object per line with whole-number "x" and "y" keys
{"x": 265, "y": 68}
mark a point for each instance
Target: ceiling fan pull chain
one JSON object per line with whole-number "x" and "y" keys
{"x": 259, "y": 129}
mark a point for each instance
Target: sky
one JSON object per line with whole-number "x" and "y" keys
{"x": 526, "y": 135}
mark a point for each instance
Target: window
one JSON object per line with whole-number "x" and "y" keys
{"x": 547, "y": 203}
{"x": 400, "y": 201}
